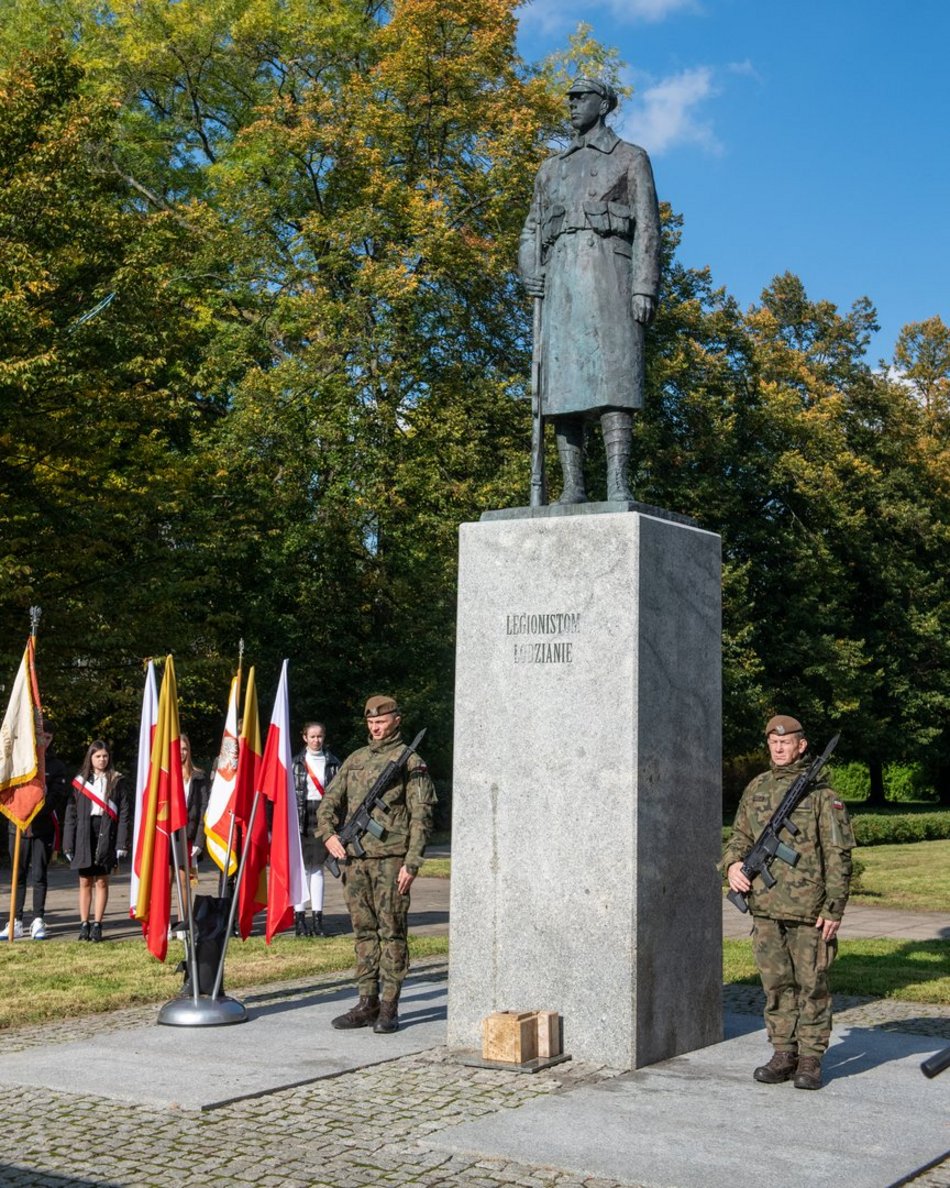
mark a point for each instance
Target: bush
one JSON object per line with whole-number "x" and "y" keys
{"x": 880, "y": 829}
{"x": 903, "y": 782}
{"x": 850, "y": 780}
{"x": 885, "y": 829}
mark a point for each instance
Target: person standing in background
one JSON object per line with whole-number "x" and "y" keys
{"x": 314, "y": 767}
{"x": 97, "y": 833}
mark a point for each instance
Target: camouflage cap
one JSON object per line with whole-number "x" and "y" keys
{"x": 583, "y": 85}
{"x": 783, "y": 724}
{"x": 379, "y": 705}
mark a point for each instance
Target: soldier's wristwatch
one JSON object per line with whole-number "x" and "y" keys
{"x": 413, "y": 870}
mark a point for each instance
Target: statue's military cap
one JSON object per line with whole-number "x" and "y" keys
{"x": 583, "y": 85}
{"x": 379, "y": 705}
{"x": 783, "y": 724}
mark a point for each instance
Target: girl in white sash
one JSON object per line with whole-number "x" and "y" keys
{"x": 96, "y": 833}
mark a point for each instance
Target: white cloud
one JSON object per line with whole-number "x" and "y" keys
{"x": 554, "y": 16}
{"x": 668, "y": 113}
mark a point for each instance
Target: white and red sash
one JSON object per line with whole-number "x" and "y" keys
{"x": 313, "y": 779}
{"x": 87, "y": 789}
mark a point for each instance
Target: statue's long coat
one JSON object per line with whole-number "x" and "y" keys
{"x": 596, "y": 207}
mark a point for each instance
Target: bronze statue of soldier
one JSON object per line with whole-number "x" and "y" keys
{"x": 590, "y": 252}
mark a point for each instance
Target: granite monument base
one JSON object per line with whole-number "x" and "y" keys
{"x": 586, "y": 794}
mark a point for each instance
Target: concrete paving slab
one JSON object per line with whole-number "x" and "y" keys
{"x": 283, "y": 1044}
{"x": 700, "y": 1119}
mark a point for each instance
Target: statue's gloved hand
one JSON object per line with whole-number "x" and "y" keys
{"x": 644, "y": 308}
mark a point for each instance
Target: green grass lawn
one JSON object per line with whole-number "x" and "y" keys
{"x": 915, "y": 877}
{"x": 912, "y": 971}
{"x": 68, "y": 978}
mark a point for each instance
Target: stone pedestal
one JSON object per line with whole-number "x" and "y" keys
{"x": 586, "y": 794}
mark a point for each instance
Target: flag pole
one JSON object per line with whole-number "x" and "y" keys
{"x": 35, "y": 614}
{"x": 13, "y": 883}
{"x": 185, "y": 913}
{"x": 232, "y": 910}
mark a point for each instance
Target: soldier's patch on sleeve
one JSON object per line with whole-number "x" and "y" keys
{"x": 838, "y": 804}
{"x": 419, "y": 770}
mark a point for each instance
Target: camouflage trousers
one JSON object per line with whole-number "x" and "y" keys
{"x": 379, "y": 915}
{"x": 793, "y": 963}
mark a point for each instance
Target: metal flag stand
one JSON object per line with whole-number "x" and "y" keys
{"x": 196, "y": 1009}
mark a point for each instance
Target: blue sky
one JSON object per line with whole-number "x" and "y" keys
{"x": 810, "y": 136}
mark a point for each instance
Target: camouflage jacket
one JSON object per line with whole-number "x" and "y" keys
{"x": 818, "y": 883}
{"x": 407, "y": 821}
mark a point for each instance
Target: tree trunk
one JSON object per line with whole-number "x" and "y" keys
{"x": 876, "y": 772}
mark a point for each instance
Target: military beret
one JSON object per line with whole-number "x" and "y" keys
{"x": 379, "y": 705}
{"x": 783, "y": 724}
{"x": 582, "y": 86}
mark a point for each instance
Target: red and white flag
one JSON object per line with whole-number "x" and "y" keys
{"x": 22, "y": 752}
{"x": 147, "y": 725}
{"x": 252, "y": 893}
{"x": 286, "y": 882}
{"x": 219, "y": 814}
{"x": 163, "y": 813}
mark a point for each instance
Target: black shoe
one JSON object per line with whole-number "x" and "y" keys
{"x": 361, "y": 1015}
{"x": 300, "y": 924}
{"x": 84, "y": 930}
{"x": 316, "y": 928}
{"x": 95, "y": 933}
{"x": 388, "y": 1019}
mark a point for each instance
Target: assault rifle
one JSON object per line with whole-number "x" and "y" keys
{"x": 362, "y": 820}
{"x": 769, "y": 845}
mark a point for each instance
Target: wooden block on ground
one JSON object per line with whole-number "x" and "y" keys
{"x": 549, "y": 1034}
{"x": 510, "y": 1036}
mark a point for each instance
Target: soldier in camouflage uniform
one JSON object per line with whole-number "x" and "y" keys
{"x": 377, "y": 886}
{"x": 795, "y": 923}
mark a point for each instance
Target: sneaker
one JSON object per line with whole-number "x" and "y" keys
{"x": 84, "y": 930}
{"x": 95, "y": 933}
{"x": 17, "y": 930}
{"x": 38, "y": 929}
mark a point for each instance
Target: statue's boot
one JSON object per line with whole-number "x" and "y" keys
{"x": 569, "y": 435}
{"x": 617, "y": 428}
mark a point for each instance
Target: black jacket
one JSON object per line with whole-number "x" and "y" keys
{"x": 113, "y": 835}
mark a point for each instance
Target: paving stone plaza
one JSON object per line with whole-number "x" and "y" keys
{"x": 361, "y": 1112}
{"x": 375, "y": 1125}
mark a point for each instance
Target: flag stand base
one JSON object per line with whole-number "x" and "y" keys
{"x": 206, "y": 1012}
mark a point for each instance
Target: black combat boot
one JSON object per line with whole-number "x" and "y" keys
{"x": 780, "y": 1068}
{"x": 569, "y": 433}
{"x": 808, "y": 1075}
{"x": 300, "y": 924}
{"x": 617, "y": 428}
{"x": 364, "y": 1013}
{"x": 316, "y": 928}
{"x": 95, "y": 933}
{"x": 388, "y": 1020}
